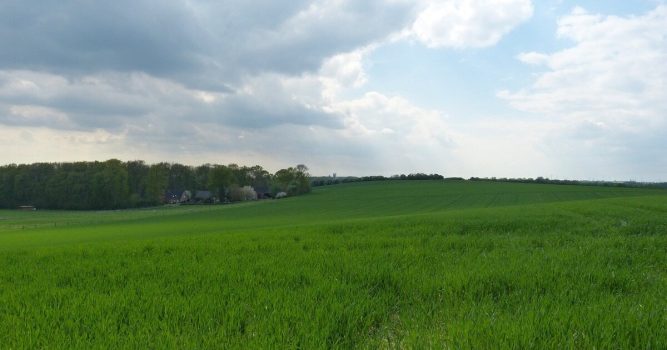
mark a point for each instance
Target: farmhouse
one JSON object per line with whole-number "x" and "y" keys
{"x": 203, "y": 197}
{"x": 186, "y": 196}
{"x": 173, "y": 196}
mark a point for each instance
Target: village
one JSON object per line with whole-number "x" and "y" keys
{"x": 234, "y": 194}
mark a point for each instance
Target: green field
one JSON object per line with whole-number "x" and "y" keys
{"x": 406, "y": 264}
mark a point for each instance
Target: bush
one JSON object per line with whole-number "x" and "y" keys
{"x": 240, "y": 194}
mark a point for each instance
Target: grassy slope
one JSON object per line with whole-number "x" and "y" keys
{"x": 363, "y": 265}
{"x": 358, "y": 201}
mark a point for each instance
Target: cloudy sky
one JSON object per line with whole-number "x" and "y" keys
{"x": 520, "y": 88}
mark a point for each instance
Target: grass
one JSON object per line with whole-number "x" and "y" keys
{"x": 368, "y": 265}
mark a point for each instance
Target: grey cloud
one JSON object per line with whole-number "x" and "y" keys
{"x": 251, "y": 114}
{"x": 114, "y": 102}
{"x": 99, "y": 106}
{"x": 301, "y": 42}
{"x": 85, "y": 105}
{"x": 135, "y": 69}
{"x": 289, "y": 144}
{"x": 34, "y": 118}
{"x": 215, "y": 46}
{"x": 199, "y": 43}
{"x": 151, "y": 36}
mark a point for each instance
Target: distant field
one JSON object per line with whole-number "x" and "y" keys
{"x": 412, "y": 264}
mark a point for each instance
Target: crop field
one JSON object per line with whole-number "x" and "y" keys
{"x": 403, "y": 264}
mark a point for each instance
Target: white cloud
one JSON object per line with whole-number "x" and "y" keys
{"x": 401, "y": 135}
{"x": 344, "y": 70}
{"x": 607, "y": 94}
{"x": 469, "y": 23}
{"x": 533, "y": 58}
{"x": 615, "y": 72}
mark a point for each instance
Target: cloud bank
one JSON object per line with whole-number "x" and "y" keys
{"x": 190, "y": 79}
{"x": 278, "y": 83}
{"x": 608, "y": 92}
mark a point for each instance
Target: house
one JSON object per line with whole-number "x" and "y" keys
{"x": 173, "y": 196}
{"x": 203, "y": 197}
{"x": 186, "y": 197}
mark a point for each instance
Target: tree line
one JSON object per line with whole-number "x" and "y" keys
{"x": 325, "y": 181}
{"x": 114, "y": 184}
{"x": 545, "y": 180}
{"x": 335, "y": 181}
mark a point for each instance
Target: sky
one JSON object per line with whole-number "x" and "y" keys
{"x": 504, "y": 88}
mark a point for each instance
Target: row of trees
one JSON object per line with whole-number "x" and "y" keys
{"x": 545, "y": 180}
{"x": 416, "y": 176}
{"x": 114, "y": 184}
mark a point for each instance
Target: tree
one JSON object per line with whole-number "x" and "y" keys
{"x": 114, "y": 184}
{"x": 293, "y": 180}
{"x": 238, "y": 174}
{"x": 181, "y": 177}
{"x": 302, "y": 179}
{"x": 201, "y": 176}
{"x": 158, "y": 179}
{"x": 220, "y": 178}
{"x": 109, "y": 186}
{"x": 239, "y": 194}
{"x": 137, "y": 179}
{"x": 7, "y": 196}
{"x": 284, "y": 178}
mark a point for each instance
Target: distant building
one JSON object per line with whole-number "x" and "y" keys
{"x": 27, "y": 208}
{"x": 186, "y": 197}
{"x": 173, "y": 196}
{"x": 204, "y": 197}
